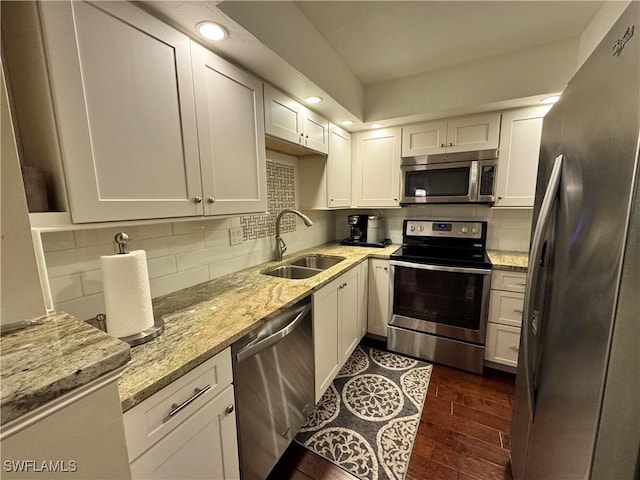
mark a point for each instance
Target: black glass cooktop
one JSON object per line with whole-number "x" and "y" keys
{"x": 446, "y": 256}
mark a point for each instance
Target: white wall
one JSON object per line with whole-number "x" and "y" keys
{"x": 178, "y": 254}
{"x": 506, "y": 230}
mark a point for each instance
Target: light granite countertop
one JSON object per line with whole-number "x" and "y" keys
{"x": 504, "y": 260}
{"x": 51, "y": 356}
{"x": 202, "y": 320}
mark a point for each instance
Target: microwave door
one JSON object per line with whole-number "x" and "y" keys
{"x": 442, "y": 183}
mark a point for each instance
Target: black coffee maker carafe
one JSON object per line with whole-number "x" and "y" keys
{"x": 358, "y": 228}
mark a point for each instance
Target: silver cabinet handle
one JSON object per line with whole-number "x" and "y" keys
{"x": 518, "y": 310}
{"x": 515, "y": 349}
{"x": 442, "y": 145}
{"x": 211, "y": 199}
{"x": 228, "y": 410}
{"x": 451, "y": 144}
{"x": 175, "y": 408}
{"x": 546, "y": 212}
{"x": 197, "y": 199}
{"x": 522, "y": 284}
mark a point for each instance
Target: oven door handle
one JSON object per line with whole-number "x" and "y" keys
{"x": 440, "y": 268}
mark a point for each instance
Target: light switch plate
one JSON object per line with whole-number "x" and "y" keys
{"x": 236, "y": 235}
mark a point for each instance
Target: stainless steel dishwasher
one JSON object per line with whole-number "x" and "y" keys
{"x": 274, "y": 381}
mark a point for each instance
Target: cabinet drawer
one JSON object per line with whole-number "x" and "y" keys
{"x": 506, "y": 307}
{"x": 502, "y": 344}
{"x": 149, "y": 421}
{"x": 510, "y": 281}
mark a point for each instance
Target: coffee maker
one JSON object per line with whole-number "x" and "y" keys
{"x": 357, "y": 228}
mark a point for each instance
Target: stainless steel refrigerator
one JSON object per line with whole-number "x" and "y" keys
{"x": 576, "y": 407}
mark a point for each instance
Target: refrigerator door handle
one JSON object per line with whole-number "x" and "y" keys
{"x": 537, "y": 249}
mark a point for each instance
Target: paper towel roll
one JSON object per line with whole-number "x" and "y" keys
{"x": 127, "y": 296}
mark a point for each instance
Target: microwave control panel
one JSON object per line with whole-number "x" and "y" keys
{"x": 452, "y": 229}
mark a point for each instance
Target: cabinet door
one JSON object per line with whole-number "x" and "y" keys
{"x": 123, "y": 93}
{"x": 348, "y": 294}
{"x": 325, "y": 336}
{"x": 283, "y": 116}
{"x": 378, "y": 297}
{"x": 480, "y": 132}
{"x": 377, "y": 168}
{"x": 424, "y": 139}
{"x": 316, "y": 131}
{"x": 339, "y": 168}
{"x": 518, "y": 158}
{"x": 506, "y": 308}
{"x": 363, "y": 297}
{"x": 204, "y": 446}
{"x": 502, "y": 344}
{"x": 231, "y": 135}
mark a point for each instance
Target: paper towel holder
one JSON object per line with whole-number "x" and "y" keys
{"x": 144, "y": 336}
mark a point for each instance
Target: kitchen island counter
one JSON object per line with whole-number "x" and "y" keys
{"x": 204, "y": 319}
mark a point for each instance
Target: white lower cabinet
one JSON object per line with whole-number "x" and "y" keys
{"x": 378, "y": 311}
{"x": 187, "y": 430}
{"x": 505, "y": 318}
{"x": 363, "y": 297}
{"x": 336, "y": 326}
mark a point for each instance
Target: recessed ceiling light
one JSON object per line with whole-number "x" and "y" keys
{"x": 212, "y": 31}
{"x": 552, "y": 99}
{"x": 346, "y": 123}
{"x": 313, "y": 99}
{"x": 376, "y": 125}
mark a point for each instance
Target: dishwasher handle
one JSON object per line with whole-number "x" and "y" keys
{"x": 257, "y": 347}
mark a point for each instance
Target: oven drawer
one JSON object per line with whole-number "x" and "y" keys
{"x": 507, "y": 280}
{"x": 503, "y": 342}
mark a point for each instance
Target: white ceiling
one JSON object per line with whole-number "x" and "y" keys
{"x": 386, "y": 40}
{"x": 399, "y": 61}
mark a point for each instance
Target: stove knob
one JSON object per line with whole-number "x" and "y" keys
{"x": 474, "y": 230}
{"x": 413, "y": 228}
{"x": 421, "y": 228}
{"x": 464, "y": 230}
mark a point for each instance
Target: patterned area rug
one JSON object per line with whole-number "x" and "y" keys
{"x": 366, "y": 421}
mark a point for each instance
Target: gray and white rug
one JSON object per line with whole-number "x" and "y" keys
{"x": 367, "y": 420}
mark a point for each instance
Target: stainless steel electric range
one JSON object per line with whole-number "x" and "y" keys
{"x": 440, "y": 280}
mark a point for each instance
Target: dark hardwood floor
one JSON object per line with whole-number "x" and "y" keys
{"x": 463, "y": 433}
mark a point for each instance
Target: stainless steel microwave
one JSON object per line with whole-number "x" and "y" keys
{"x": 465, "y": 177}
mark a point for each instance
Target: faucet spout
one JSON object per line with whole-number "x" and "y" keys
{"x": 280, "y": 245}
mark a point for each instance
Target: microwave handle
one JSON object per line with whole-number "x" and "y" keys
{"x": 473, "y": 181}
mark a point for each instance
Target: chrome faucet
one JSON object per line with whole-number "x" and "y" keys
{"x": 280, "y": 245}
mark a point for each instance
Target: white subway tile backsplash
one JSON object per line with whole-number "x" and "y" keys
{"x": 83, "y": 308}
{"x": 91, "y": 282}
{"x": 203, "y": 256}
{"x": 77, "y": 260}
{"x": 66, "y": 287}
{"x": 180, "y": 228}
{"x": 214, "y": 238}
{"x": 104, "y": 236}
{"x": 52, "y": 241}
{"x": 176, "y": 281}
{"x": 160, "y": 266}
{"x": 160, "y": 247}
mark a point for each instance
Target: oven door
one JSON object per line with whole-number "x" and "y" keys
{"x": 440, "y": 183}
{"x": 450, "y": 302}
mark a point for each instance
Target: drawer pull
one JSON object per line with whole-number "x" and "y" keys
{"x": 515, "y": 349}
{"x": 522, "y": 284}
{"x": 228, "y": 410}
{"x": 518, "y": 310}
{"x": 175, "y": 408}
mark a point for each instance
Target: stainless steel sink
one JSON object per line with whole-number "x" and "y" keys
{"x": 292, "y": 271}
{"x": 321, "y": 262}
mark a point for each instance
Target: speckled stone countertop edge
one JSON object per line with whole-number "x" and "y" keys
{"x": 205, "y": 319}
{"x": 508, "y": 260}
{"x": 50, "y": 357}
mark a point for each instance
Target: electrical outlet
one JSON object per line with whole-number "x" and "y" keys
{"x": 236, "y": 235}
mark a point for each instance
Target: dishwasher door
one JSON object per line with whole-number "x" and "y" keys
{"x": 273, "y": 373}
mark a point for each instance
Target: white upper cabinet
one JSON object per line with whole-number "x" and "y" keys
{"x": 376, "y": 168}
{"x": 518, "y": 158}
{"x": 231, "y": 135}
{"x": 480, "y": 132}
{"x": 325, "y": 182}
{"x": 123, "y": 93}
{"x": 288, "y": 120}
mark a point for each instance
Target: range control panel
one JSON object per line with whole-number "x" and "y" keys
{"x": 452, "y": 229}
